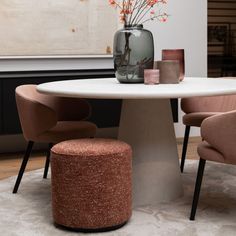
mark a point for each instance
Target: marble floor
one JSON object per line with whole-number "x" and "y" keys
{"x": 28, "y": 213}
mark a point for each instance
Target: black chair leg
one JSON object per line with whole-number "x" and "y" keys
{"x": 197, "y": 190}
{"x": 45, "y": 174}
{"x": 185, "y": 145}
{"x": 23, "y": 165}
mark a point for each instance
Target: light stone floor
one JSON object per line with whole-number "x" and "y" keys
{"x": 28, "y": 213}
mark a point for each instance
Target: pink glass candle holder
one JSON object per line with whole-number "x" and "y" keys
{"x": 151, "y": 76}
{"x": 175, "y": 54}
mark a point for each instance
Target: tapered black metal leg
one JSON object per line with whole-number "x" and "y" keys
{"x": 23, "y": 165}
{"x": 197, "y": 188}
{"x": 45, "y": 174}
{"x": 185, "y": 145}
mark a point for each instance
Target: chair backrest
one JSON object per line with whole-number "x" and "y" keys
{"x": 209, "y": 104}
{"x": 220, "y": 132}
{"x": 68, "y": 109}
{"x": 38, "y": 112}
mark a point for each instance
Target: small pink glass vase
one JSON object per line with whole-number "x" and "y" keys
{"x": 175, "y": 54}
{"x": 151, "y": 76}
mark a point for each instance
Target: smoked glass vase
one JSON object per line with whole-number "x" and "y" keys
{"x": 133, "y": 53}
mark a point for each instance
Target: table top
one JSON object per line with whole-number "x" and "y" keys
{"x": 111, "y": 89}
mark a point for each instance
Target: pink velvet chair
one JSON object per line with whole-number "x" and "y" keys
{"x": 199, "y": 108}
{"x": 49, "y": 119}
{"x": 219, "y": 135}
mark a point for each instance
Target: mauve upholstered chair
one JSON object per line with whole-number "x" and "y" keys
{"x": 219, "y": 135}
{"x": 49, "y": 119}
{"x": 199, "y": 108}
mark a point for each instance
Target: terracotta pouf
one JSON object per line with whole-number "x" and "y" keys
{"x": 91, "y": 184}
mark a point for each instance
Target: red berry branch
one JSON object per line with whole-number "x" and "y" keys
{"x": 133, "y": 12}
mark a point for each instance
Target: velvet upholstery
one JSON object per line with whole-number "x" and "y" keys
{"x": 207, "y": 152}
{"x": 209, "y": 104}
{"x": 199, "y": 108}
{"x": 91, "y": 183}
{"x": 52, "y": 119}
{"x": 196, "y": 118}
{"x": 219, "y": 134}
{"x": 64, "y": 130}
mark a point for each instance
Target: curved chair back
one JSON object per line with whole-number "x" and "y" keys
{"x": 67, "y": 109}
{"x": 38, "y": 112}
{"x": 209, "y": 104}
{"x": 220, "y": 132}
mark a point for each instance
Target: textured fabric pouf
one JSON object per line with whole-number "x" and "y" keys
{"x": 91, "y": 184}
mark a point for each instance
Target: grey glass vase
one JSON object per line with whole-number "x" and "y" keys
{"x": 133, "y": 52}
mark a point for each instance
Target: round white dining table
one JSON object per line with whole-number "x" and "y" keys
{"x": 146, "y": 124}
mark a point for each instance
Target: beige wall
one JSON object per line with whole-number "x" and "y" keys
{"x": 186, "y": 28}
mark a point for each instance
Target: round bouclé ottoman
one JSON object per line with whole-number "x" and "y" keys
{"x": 91, "y": 184}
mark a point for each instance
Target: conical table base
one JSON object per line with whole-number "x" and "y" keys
{"x": 147, "y": 125}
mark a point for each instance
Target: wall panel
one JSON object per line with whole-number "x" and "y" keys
{"x": 222, "y": 38}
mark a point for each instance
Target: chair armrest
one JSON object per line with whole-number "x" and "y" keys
{"x": 220, "y": 132}
{"x": 35, "y": 118}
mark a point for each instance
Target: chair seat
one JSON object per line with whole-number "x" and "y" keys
{"x": 196, "y": 118}
{"x": 207, "y": 152}
{"x": 65, "y": 130}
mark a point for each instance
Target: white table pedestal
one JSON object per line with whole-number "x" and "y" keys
{"x": 147, "y": 125}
